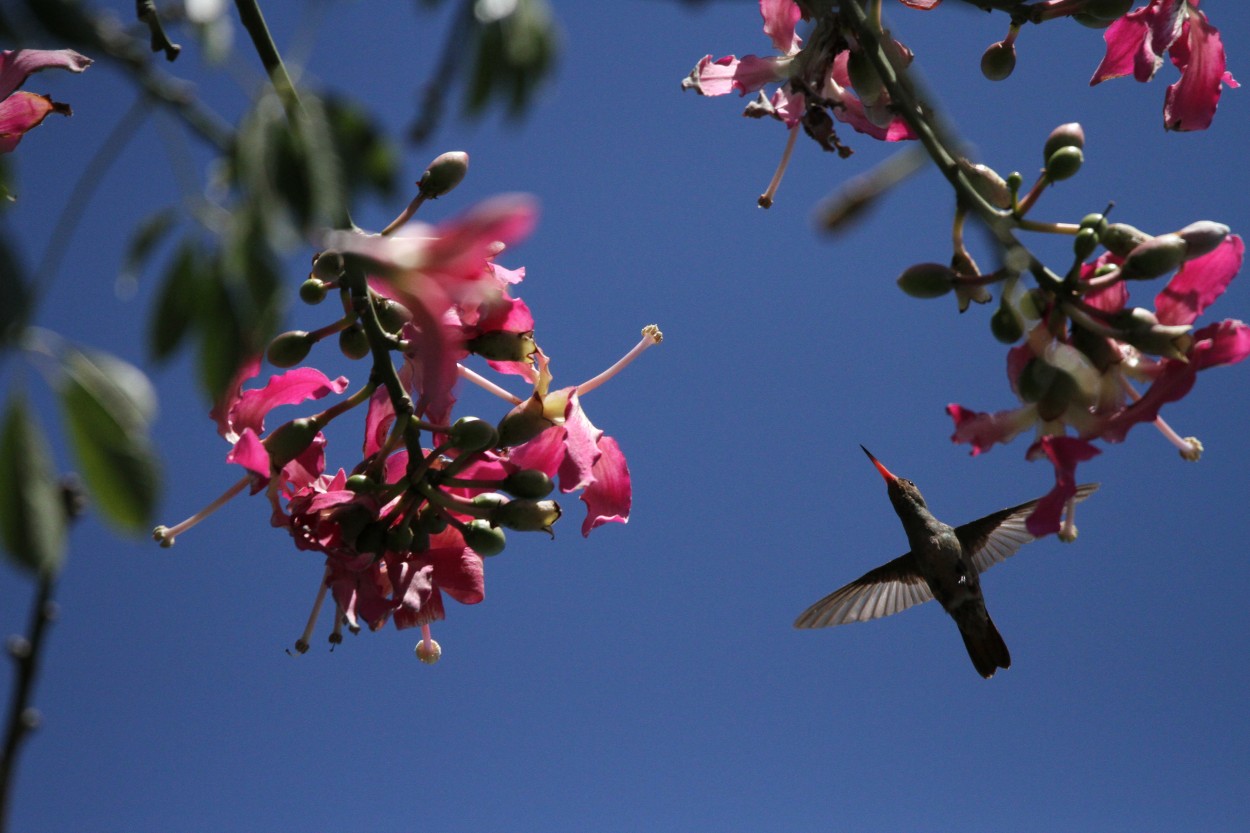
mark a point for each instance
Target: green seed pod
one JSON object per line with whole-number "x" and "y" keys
{"x": 471, "y": 434}
{"x": 360, "y": 483}
{"x": 528, "y": 483}
{"x": 430, "y": 521}
{"x": 489, "y": 500}
{"x": 1121, "y": 238}
{"x": 999, "y": 61}
{"x": 526, "y": 515}
{"x": 288, "y": 441}
{"x": 1068, "y": 135}
{"x": 1064, "y": 163}
{"x": 1203, "y": 237}
{"x": 503, "y": 346}
{"x": 523, "y": 423}
{"x": 927, "y": 280}
{"x": 1155, "y": 257}
{"x": 1084, "y": 244}
{"x": 328, "y": 266}
{"x": 289, "y": 349}
{"x": 353, "y": 343}
{"x": 443, "y": 174}
{"x": 1005, "y": 324}
{"x": 391, "y": 315}
{"x": 1097, "y": 222}
{"x": 312, "y": 291}
{"x": 484, "y": 539}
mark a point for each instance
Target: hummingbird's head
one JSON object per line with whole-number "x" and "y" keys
{"x": 903, "y": 493}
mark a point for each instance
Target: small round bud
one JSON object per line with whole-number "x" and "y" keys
{"x": 927, "y": 280}
{"x": 528, "y": 483}
{"x": 1085, "y": 243}
{"x": 1203, "y": 237}
{"x": 353, "y": 343}
{"x": 526, "y": 515}
{"x": 1064, "y": 163}
{"x": 428, "y": 651}
{"x": 1069, "y": 135}
{"x": 1121, "y": 238}
{"x": 18, "y": 646}
{"x": 1098, "y": 222}
{"x": 430, "y": 521}
{"x": 391, "y": 315}
{"x": 312, "y": 291}
{"x": 1005, "y": 325}
{"x": 1157, "y": 256}
{"x": 999, "y": 61}
{"x": 484, "y": 539}
{"x": 489, "y": 500}
{"x": 1015, "y": 180}
{"x": 289, "y": 440}
{"x": 472, "y": 434}
{"x": 328, "y": 266}
{"x": 289, "y": 349}
{"x": 359, "y": 483}
{"x": 443, "y": 174}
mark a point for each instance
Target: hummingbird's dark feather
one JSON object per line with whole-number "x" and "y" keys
{"x": 998, "y": 536}
{"x": 890, "y": 588}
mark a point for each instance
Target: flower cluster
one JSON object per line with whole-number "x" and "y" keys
{"x": 21, "y": 111}
{"x": 431, "y": 495}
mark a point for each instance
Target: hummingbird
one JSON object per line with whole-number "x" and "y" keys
{"x": 944, "y": 563}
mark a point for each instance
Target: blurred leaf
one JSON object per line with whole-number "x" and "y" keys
{"x": 178, "y": 303}
{"x": 109, "y": 405}
{"x": 368, "y": 158}
{"x": 146, "y": 238}
{"x": 68, "y": 21}
{"x": 32, "y": 512}
{"x": 15, "y": 291}
{"x": 515, "y": 53}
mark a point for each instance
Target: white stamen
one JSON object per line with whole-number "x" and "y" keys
{"x": 651, "y": 336}
{"x": 487, "y": 384}
{"x": 166, "y": 534}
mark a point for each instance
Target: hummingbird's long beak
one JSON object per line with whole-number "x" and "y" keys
{"x": 889, "y": 478}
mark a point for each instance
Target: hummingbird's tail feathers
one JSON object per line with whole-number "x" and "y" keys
{"x": 985, "y": 645}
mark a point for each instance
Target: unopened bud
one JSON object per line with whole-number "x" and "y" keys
{"x": 1141, "y": 328}
{"x": 353, "y": 343}
{"x": 1121, "y": 238}
{"x": 312, "y": 291}
{"x": 503, "y": 346}
{"x": 1097, "y": 222}
{"x": 289, "y": 440}
{"x": 1156, "y": 256}
{"x": 1069, "y": 135}
{"x": 1005, "y": 324}
{"x": 523, "y": 423}
{"x": 484, "y": 539}
{"x": 471, "y": 434}
{"x": 1202, "y": 237}
{"x": 987, "y": 183}
{"x": 999, "y": 61}
{"x": 328, "y": 266}
{"x": 1085, "y": 243}
{"x": 391, "y": 314}
{"x": 1064, "y": 163}
{"x": 443, "y": 174}
{"x": 360, "y": 483}
{"x": 525, "y": 515}
{"x": 289, "y": 349}
{"x": 927, "y": 280}
{"x": 528, "y": 483}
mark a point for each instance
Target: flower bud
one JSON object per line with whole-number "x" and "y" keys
{"x": 312, "y": 291}
{"x": 528, "y": 483}
{"x": 987, "y": 183}
{"x": 1140, "y": 328}
{"x": 523, "y": 423}
{"x": 328, "y": 266}
{"x": 927, "y": 280}
{"x": 525, "y": 515}
{"x": 1085, "y": 243}
{"x": 430, "y": 521}
{"x": 1121, "y": 238}
{"x": 1156, "y": 256}
{"x": 391, "y": 314}
{"x": 503, "y": 346}
{"x": 353, "y": 343}
{"x": 489, "y": 501}
{"x": 471, "y": 434}
{"x": 1097, "y": 222}
{"x": 1068, "y": 135}
{"x": 443, "y": 174}
{"x": 288, "y": 441}
{"x": 289, "y": 349}
{"x": 1064, "y": 163}
{"x": 360, "y": 483}
{"x": 484, "y": 539}
{"x": 1005, "y": 324}
{"x": 428, "y": 651}
{"x": 1202, "y": 237}
{"x": 999, "y": 61}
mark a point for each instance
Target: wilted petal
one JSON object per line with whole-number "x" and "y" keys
{"x": 983, "y": 430}
{"x": 1199, "y": 282}
{"x": 1137, "y": 41}
{"x": 1227, "y": 342}
{"x": 581, "y": 444}
{"x": 1199, "y": 55}
{"x": 21, "y": 112}
{"x": 609, "y": 497}
{"x": 15, "y": 67}
{"x": 780, "y": 18}
{"x": 1064, "y": 453}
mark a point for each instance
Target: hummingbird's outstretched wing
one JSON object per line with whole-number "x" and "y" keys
{"x": 997, "y": 536}
{"x": 892, "y": 587}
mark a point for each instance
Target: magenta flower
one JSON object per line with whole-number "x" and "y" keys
{"x": 21, "y": 111}
{"x": 1136, "y": 44}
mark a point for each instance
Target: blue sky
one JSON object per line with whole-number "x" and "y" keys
{"x": 649, "y": 678}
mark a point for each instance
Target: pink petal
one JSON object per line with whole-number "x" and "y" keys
{"x": 21, "y": 112}
{"x": 983, "y": 430}
{"x": 250, "y": 453}
{"x": 1227, "y": 342}
{"x": 378, "y": 420}
{"x": 923, "y": 5}
{"x": 223, "y": 409}
{"x": 290, "y": 388}
{"x": 1199, "y": 55}
{"x": 1065, "y": 453}
{"x": 1174, "y": 381}
{"x": 16, "y": 67}
{"x": 581, "y": 444}
{"x": 1199, "y": 282}
{"x": 609, "y": 497}
{"x": 780, "y": 18}
{"x": 1137, "y": 41}
{"x": 544, "y": 452}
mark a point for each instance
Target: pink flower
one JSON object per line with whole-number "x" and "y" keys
{"x": 1064, "y": 453}
{"x": 752, "y": 73}
{"x": 23, "y": 111}
{"x": 1136, "y": 44}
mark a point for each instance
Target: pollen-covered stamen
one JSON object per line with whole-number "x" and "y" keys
{"x": 651, "y": 336}
{"x": 766, "y": 198}
{"x": 165, "y": 535}
{"x": 301, "y": 644}
{"x": 428, "y": 651}
{"x": 1067, "y": 532}
{"x": 486, "y": 384}
{"x": 1190, "y": 448}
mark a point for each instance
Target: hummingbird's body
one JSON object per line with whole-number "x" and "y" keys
{"x": 944, "y": 563}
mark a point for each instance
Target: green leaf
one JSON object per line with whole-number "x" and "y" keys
{"x": 109, "y": 405}
{"x": 15, "y": 291}
{"x": 178, "y": 306}
{"x": 146, "y": 238}
{"x": 32, "y": 511}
